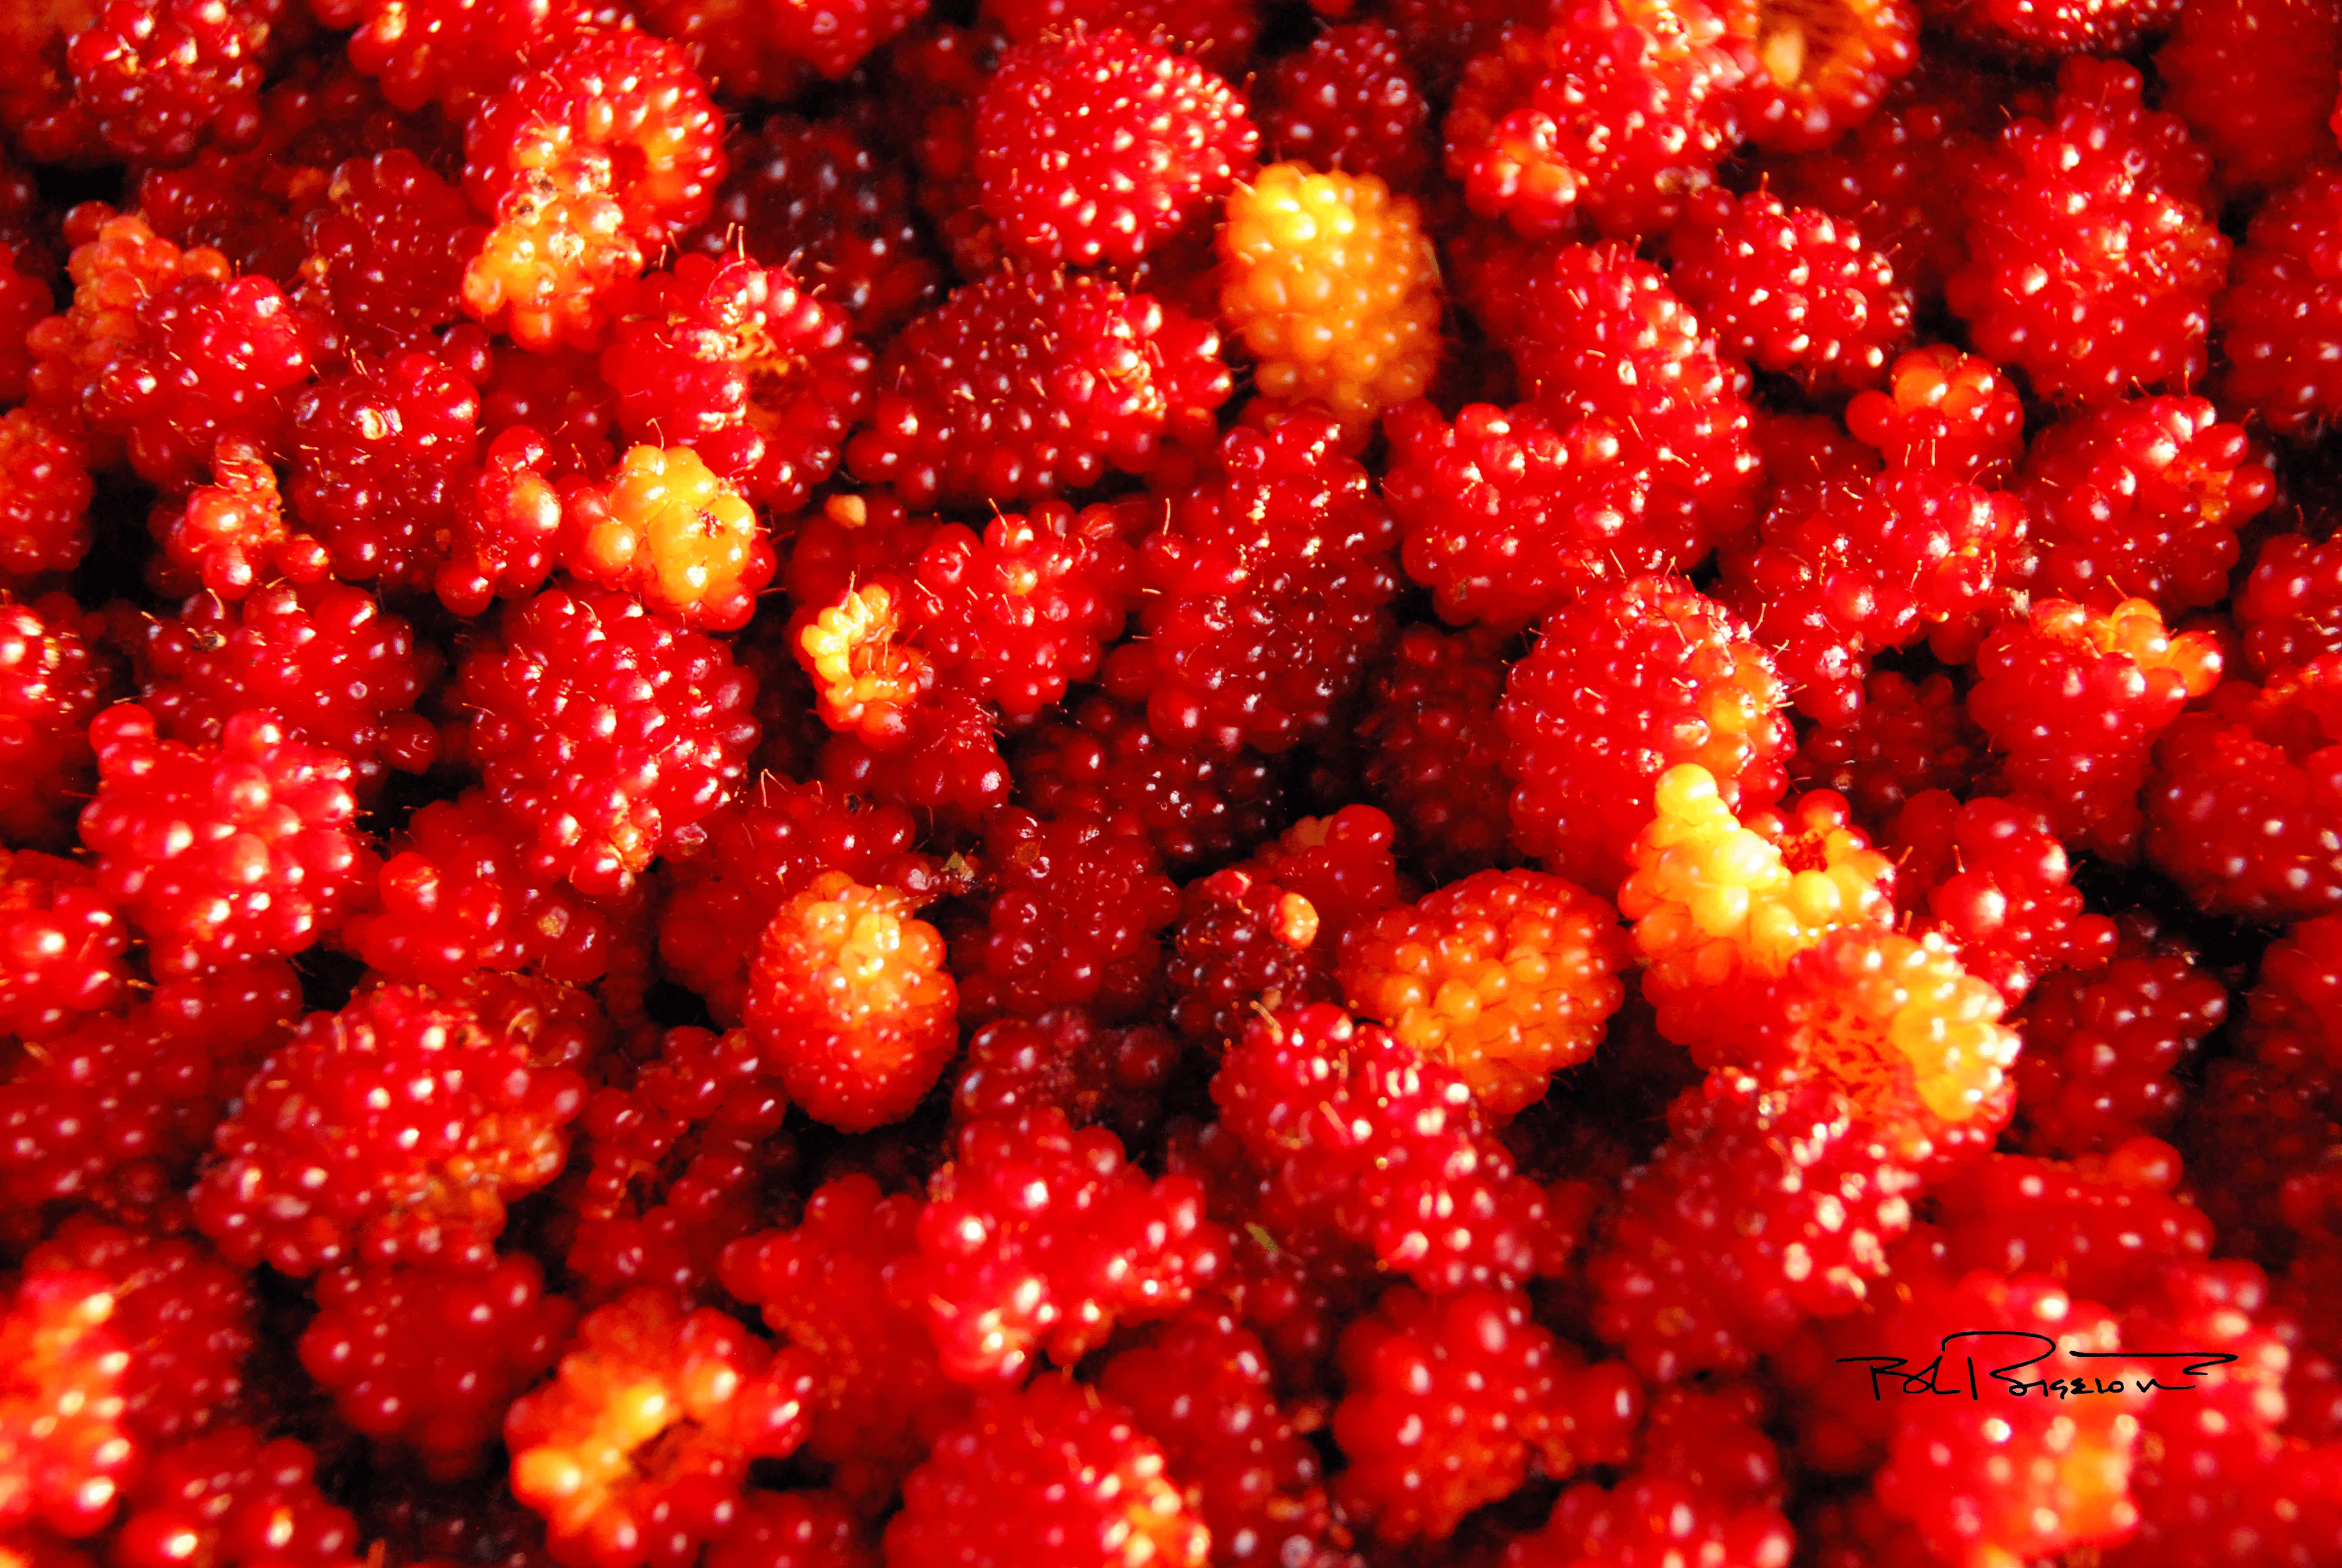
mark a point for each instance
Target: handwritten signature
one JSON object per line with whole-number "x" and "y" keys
{"x": 2009, "y": 1381}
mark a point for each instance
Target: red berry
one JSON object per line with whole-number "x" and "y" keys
{"x": 1270, "y": 585}
{"x": 641, "y": 1368}
{"x": 1617, "y": 113}
{"x": 1790, "y": 289}
{"x": 1055, "y": 1476}
{"x": 2093, "y": 262}
{"x": 398, "y": 1128}
{"x": 1040, "y": 1238}
{"x": 1022, "y": 386}
{"x": 1364, "y": 1141}
{"x": 1621, "y": 687}
{"x": 240, "y": 847}
{"x": 1099, "y": 147}
{"x": 850, "y": 995}
{"x": 1351, "y": 101}
{"x": 604, "y": 729}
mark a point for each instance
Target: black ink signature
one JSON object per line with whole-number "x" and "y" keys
{"x": 2010, "y": 1382}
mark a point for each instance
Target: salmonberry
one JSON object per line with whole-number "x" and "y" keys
{"x": 345, "y": 675}
{"x": 843, "y": 1285}
{"x": 1098, "y": 148}
{"x": 397, "y": 1130}
{"x": 244, "y": 847}
{"x": 1054, "y": 1463}
{"x": 1790, "y": 288}
{"x": 1620, "y": 686}
{"x": 760, "y": 852}
{"x": 51, "y": 687}
{"x": 605, "y": 729}
{"x": 1505, "y": 976}
{"x": 157, "y": 77}
{"x": 2092, "y": 261}
{"x": 2142, "y": 500}
{"x": 638, "y": 1451}
{"x": 1022, "y": 386}
{"x": 381, "y": 454}
{"x": 2281, "y": 317}
{"x": 1350, "y": 102}
{"x": 2088, "y": 760}
{"x": 1435, "y": 750}
{"x": 1271, "y": 583}
{"x": 1333, "y": 286}
{"x": 1941, "y": 408}
{"x": 432, "y": 1359}
{"x": 1619, "y": 113}
{"x": 2102, "y": 1050}
{"x": 1366, "y": 1141}
{"x": 2253, "y": 81}
{"x": 743, "y": 363}
{"x": 62, "y": 1404}
{"x": 1992, "y": 877}
{"x": 848, "y": 992}
{"x": 2239, "y": 802}
{"x": 678, "y": 536}
{"x": 1908, "y": 738}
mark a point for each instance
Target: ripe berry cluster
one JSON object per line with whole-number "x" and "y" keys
{"x": 1106, "y": 784}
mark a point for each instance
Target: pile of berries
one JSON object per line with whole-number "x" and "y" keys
{"x": 1091, "y": 784}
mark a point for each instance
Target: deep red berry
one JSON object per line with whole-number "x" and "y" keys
{"x": 1763, "y": 1209}
{"x": 1907, "y": 738}
{"x": 2282, "y": 313}
{"x": 604, "y": 729}
{"x": 845, "y": 1286}
{"x": 415, "y": 1356}
{"x": 1621, "y": 687}
{"x": 1365, "y": 1140}
{"x": 1991, "y": 876}
{"x": 815, "y": 196}
{"x": 2142, "y": 500}
{"x": 1055, "y": 1463}
{"x": 240, "y": 847}
{"x": 2253, "y": 82}
{"x": 1023, "y": 386}
{"x": 2238, "y": 803}
{"x": 1351, "y": 101}
{"x": 2087, "y": 760}
{"x": 1509, "y": 515}
{"x": 1435, "y": 750}
{"x": 2092, "y": 260}
{"x": 387, "y": 251}
{"x": 1270, "y": 586}
{"x": 1790, "y": 288}
{"x": 1618, "y": 113}
{"x": 2290, "y": 609}
{"x": 345, "y": 675}
{"x": 398, "y": 1128}
{"x": 50, "y": 689}
{"x": 1040, "y": 1238}
{"x": 158, "y": 76}
{"x": 1099, "y": 146}
{"x": 1840, "y": 573}
{"x": 746, "y": 364}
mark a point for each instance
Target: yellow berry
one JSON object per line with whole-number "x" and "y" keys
{"x": 1334, "y": 286}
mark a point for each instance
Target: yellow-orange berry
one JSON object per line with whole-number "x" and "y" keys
{"x": 559, "y": 244}
{"x": 1716, "y": 903}
{"x": 865, "y": 680}
{"x": 647, "y": 1432}
{"x": 1907, "y": 1033}
{"x": 674, "y": 533}
{"x": 1505, "y": 976}
{"x": 1334, "y": 286}
{"x": 849, "y": 993}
